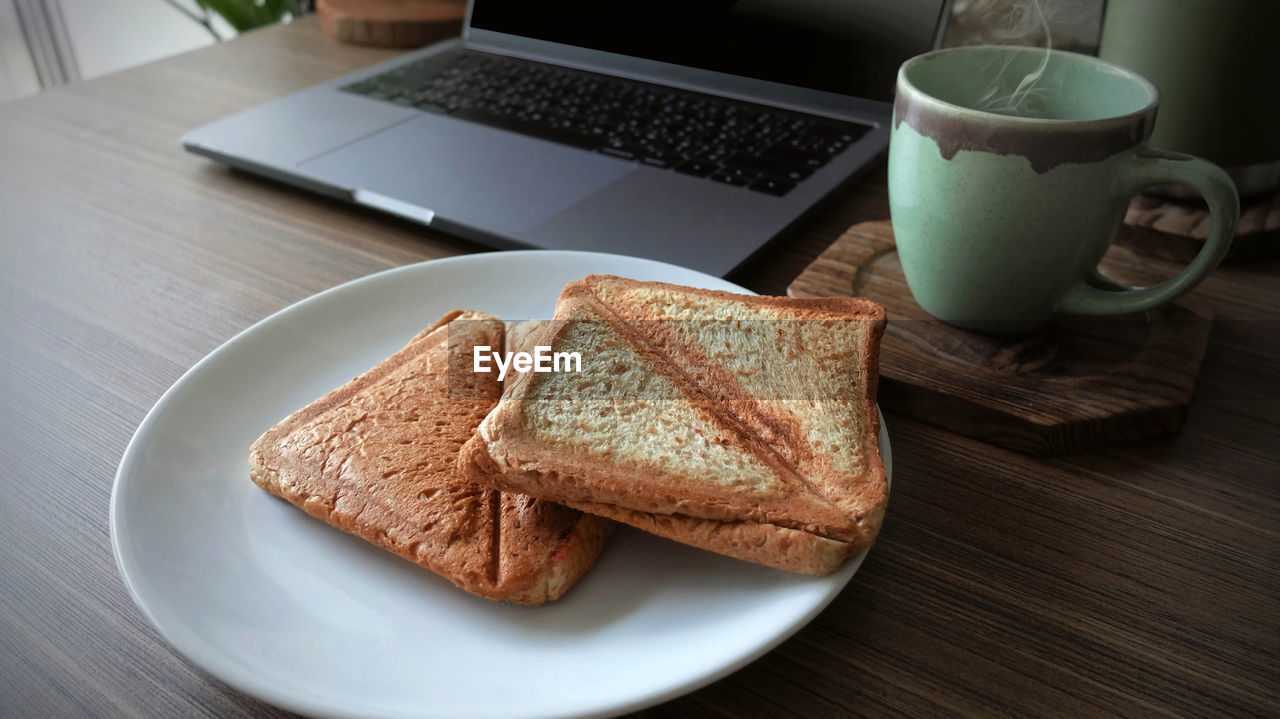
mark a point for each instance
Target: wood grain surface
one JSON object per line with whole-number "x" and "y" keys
{"x": 1078, "y": 383}
{"x": 1177, "y": 229}
{"x": 1139, "y": 580}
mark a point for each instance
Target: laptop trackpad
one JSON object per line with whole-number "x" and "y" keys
{"x": 469, "y": 173}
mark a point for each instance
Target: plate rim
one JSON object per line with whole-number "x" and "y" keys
{"x": 265, "y": 691}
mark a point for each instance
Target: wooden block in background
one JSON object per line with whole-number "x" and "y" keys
{"x": 1079, "y": 383}
{"x": 391, "y": 23}
{"x": 1176, "y": 230}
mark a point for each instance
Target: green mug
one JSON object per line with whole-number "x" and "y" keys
{"x": 1010, "y": 170}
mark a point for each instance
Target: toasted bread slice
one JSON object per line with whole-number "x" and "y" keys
{"x": 377, "y": 458}
{"x": 743, "y": 425}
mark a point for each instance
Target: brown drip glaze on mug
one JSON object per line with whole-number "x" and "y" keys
{"x": 1045, "y": 146}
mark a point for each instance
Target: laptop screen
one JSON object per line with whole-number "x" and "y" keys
{"x": 850, "y": 47}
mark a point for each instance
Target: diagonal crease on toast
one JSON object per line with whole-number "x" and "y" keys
{"x": 377, "y": 458}
{"x": 744, "y": 425}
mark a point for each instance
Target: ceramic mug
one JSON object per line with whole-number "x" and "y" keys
{"x": 1010, "y": 170}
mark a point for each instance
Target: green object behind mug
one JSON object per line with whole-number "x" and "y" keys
{"x": 1009, "y": 171}
{"x": 1217, "y": 65}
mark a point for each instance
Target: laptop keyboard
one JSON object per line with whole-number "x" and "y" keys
{"x": 731, "y": 142}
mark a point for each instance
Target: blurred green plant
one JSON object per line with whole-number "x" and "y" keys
{"x": 247, "y": 14}
{"x": 241, "y": 15}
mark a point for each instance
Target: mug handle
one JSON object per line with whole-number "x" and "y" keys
{"x": 1153, "y": 167}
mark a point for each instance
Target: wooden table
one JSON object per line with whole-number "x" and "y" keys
{"x": 1139, "y": 580}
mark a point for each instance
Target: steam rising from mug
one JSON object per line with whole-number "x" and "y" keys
{"x": 1019, "y": 22}
{"x": 1018, "y": 102}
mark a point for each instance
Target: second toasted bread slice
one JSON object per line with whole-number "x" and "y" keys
{"x": 742, "y": 425}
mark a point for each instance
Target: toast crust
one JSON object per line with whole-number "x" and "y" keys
{"x": 377, "y": 458}
{"x": 792, "y": 550}
{"x": 810, "y": 516}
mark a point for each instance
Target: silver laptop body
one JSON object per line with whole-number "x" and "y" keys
{"x": 507, "y": 189}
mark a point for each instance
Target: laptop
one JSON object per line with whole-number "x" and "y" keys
{"x": 692, "y": 132}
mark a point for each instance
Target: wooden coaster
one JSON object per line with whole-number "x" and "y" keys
{"x": 391, "y": 23}
{"x": 1176, "y": 230}
{"x": 1076, "y": 384}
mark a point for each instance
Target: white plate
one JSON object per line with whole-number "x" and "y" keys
{"x": 303, "y": 616}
